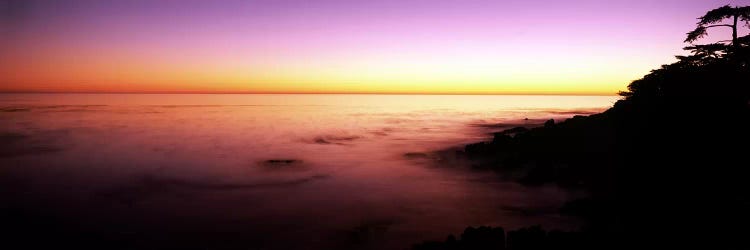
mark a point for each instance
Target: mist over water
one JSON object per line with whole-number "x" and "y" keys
{"x": 270, "y": 171}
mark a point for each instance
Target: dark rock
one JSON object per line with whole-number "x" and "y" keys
{"x": 14, "y": 110}
{"x": 530, "y": 238}
{"x": 549, "y": 123}
{"x": 501, "y": 139}
{"x": 477, "y": 149}
{"x": 416, "y": 155}
{"x": 483, "y": 238}
{"x": 321, "y": 141}
{"x": 515, "y": 130}
{"x": 335, "y": 140}
{"x": 277, "y": 163}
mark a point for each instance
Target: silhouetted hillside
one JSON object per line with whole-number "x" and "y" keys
{"x": 664, "y": 167}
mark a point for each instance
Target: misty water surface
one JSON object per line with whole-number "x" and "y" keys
{"x": 345, "y": 171}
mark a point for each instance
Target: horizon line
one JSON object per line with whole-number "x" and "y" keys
{"x": 303, "y": 93}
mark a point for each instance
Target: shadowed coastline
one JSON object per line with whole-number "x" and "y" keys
{"x": 665, "y": 167}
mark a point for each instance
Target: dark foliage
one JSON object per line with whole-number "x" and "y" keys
{"x": 494, "y": 238}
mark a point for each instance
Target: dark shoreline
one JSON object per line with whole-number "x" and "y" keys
{"x": 639, "y": 161}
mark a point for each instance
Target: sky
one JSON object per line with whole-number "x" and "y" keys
{"x": 341, "y": 46}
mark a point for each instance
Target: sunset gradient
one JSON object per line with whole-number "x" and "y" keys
{"x": 280, "y": 46}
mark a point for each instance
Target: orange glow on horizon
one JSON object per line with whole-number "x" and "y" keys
{"x": 60, "y": 72}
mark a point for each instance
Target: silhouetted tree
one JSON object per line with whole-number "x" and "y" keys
{"x": 723, "y": 64}
{"x": 713, "y": 18}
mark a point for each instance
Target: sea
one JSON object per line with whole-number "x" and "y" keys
{"x": 271, "y": 171}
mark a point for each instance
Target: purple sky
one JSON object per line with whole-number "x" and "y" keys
{"x": 347, "y": 46}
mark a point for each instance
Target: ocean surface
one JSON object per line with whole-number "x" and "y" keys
{"x": 270, "y": 171}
